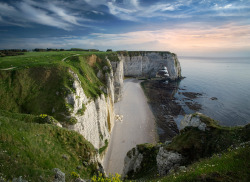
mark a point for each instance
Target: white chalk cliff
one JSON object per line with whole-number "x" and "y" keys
{"x": 147, "y": 64}
{"x": 97, "y": 121}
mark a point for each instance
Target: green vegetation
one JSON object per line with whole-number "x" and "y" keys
{"x": 148, "y": 165}
{"x": 39, "y": 82}
{"x": 82, "y": 110}
{"x": 32, "y": 150}
{"x": 231, "y": 165}
{"x": 194, "y": 145}
{"x": 102, "y": 149}
{"x": 110, "y": 178}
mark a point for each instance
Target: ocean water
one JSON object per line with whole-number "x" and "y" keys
{"x": 227, "y": 79}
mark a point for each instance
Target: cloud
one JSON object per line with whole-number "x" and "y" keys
{"x": 180, "y": 40}
{"x": 47, "y": 13}
{"x": 188, "y": 40}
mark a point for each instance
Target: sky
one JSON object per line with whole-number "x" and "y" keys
{"x": 185, "y": 27}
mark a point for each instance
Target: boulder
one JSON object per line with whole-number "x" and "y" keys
{"x": 19, "y": 179}
{"x": 166, "y": 160}
{"x": 132, "y": 161}
{"x": 194, "y": 121}
{"x": 59, "y": 175}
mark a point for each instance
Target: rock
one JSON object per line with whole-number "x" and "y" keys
{"x": 214, "y": 98}
{"x": 59, "y": 175}
{"x": 84, "y": 163}
{"x": 132, "y": 161}
{"x": 166, "y": 160}
{"x": 182, "y": 168}
{"x": 117, "y": 67}
{"x": 79, "y": 167}
{"x": 105, "y": 68}
{"x": 101, "y": 169}
{"x": 2, "y": 179}
{"x": 64, "y": 156}
{"x": 99, "y": 74}
{"x": 167, "y": 142}
{"x": 194, "y": 121}
{"x": 19, "y": 179}
{"x": 79, "y": 180}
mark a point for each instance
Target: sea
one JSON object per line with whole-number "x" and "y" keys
{"x": 227, "y": 79}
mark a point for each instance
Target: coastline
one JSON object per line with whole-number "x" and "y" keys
{"x": 166, "y": 108}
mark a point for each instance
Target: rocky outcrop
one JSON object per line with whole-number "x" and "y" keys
{"x": 117, "y": 67}
{"x": 95, "y": 118}
{"x": 59, "y": 175}
{"x": 194, "y": 121}
{"x": 145, "y": 158}
{"x": 148, "y": 64}
{"x": 166, "y": 160}
{"x": 132, "y": 161}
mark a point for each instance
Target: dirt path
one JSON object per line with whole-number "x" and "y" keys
{"x": 70, "y": 56}
{"x": 137, "y": 127}
{"x": 8, "y": 68}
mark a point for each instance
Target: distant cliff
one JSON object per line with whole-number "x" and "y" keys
{"x": 148, "y": 63}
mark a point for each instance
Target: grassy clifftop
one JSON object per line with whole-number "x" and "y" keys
{"x": 32, "y": 150}
{"x": 230, "y": 165}
{"x": 38, "y": 83}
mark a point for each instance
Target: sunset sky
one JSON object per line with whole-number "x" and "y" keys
{"x": 186, "y": 27}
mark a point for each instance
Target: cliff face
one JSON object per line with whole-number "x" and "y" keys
{"x": 147, "y": 64}
{"x": 97, "y": 118}
{"x": 118, "y": 79}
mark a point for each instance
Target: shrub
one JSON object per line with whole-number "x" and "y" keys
{"x": 72, "y": 121}
{"x": 111, "y": 178}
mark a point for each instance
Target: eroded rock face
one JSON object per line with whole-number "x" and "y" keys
{"x": 166, "y": 160}
{"x": 117, "y": 67}
{"x": 147, "y": 64}
{"x": 194, "y": 121}
{"x": 149, "y": 159}
{"x": 132, "y": 162}
{"x": 97, "y": 120}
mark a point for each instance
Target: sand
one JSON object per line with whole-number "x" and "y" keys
{"x": 137, "y": 126}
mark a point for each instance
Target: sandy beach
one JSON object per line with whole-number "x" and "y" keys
{"x": 137, "y": 126}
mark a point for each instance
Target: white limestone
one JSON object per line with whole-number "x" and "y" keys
{"x": 166, "y": 160}
{"x": 98, "y": 118}
{"x": 117, "y": 67}
{"x": 149, "y": 63}
{"x": 194, "y": 121}
{"x": 133, "y": 161}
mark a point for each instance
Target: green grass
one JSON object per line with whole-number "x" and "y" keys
{"x": 40, "y": 81}
{"x": 194, "y": 145}
{"x": 102, "y": 149}
{"x": 30, "y": 59}
{"x": 32, "y": 150}
{"x": 38, "y": 90}
{"x": 232, "y": 165}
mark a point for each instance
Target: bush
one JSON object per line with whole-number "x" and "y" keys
{"x": 101, "y": 178}
{"x": 72, "y": 121}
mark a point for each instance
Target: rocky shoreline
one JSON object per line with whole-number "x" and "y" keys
{"x": 161, "y": 97}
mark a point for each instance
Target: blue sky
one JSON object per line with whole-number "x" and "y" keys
{"x": 186, "y": 27}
